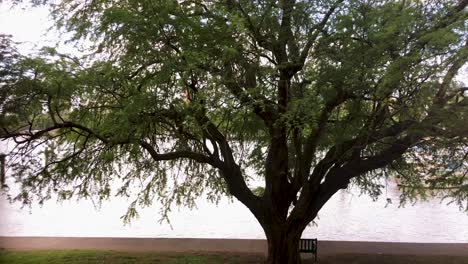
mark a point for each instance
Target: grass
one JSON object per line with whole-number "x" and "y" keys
{"x": 112, "y": 257}
{"x": 108, "y": 257}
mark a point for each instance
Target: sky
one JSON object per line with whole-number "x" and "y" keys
{"x": 28, "y": 26}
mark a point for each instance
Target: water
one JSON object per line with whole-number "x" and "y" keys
{"x": 347, "y": 216}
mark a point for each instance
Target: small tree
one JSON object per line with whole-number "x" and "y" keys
{"x": 309, "y": 95}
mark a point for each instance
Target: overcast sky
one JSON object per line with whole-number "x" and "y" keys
{"x": 28, "y": 26}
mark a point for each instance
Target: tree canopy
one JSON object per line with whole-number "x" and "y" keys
{"x": 186, "y": 97}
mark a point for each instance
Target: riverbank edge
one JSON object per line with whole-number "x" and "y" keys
{"x": 247, "y": 246}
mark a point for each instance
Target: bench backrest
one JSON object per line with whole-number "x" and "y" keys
{"x": 308, "y": 245}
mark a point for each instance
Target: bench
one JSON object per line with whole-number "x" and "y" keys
{"x": 308, "y": 246}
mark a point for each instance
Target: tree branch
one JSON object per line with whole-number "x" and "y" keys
{"x": 178, "y": 155}
{"x": 315, "y": 31}
{"x": 262, "y": 107}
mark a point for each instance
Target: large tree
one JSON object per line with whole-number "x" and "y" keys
{"x": 192, "y": 97}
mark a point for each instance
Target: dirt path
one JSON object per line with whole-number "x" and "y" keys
{"x": 255, "y": 246}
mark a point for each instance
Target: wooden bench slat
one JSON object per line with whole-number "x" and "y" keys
{"x": 309, "y": 246}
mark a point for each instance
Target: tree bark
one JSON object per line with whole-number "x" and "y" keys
{"x": 283, "y": 244}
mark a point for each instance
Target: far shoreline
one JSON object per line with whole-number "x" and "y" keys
{"x": 211, "y": 245}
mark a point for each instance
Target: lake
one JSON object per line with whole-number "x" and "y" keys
{"x": 347, "y": 216}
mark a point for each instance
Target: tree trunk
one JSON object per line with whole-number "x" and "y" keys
{"x": 283, "y": 246}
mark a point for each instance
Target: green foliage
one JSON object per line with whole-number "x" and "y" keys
{"x": 175, "y": 96}
{"x": 259, "y": 191}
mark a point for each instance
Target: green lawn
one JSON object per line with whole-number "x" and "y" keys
{"x": 112, "y": 257}
{"x": 105, "y": 257}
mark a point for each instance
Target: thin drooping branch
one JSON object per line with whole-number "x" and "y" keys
{"x": 440, "y": 99}
{"x": 341, "y": 175}
{"x": 316, "y": 30}
{"x": 308, "y": 149}
{"x": 35, "y": 135}
{"x": 228, "y": 167}
{"x": 262, "y": 107}
{"x": 29, "y": 136}
{"x": 443, "y": 188}
{"x": 178, "y": 155}
{"x": 265, "y": 41}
